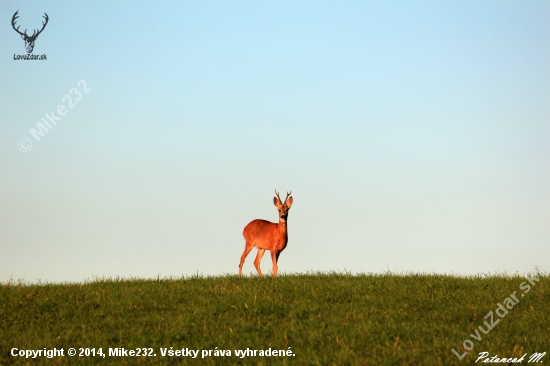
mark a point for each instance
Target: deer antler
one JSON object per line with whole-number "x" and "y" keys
{"x": 34, "y": 34}
{"x": 15, "y": 16}
{"x": 43, "y": 26}
{"x": 287, "y": 195}
{"x": 279, "y": 198}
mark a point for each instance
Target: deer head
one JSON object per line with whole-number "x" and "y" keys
{"x": 29, "y": 40}
{"x": 283, "y": 207}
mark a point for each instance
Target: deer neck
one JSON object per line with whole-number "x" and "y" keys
{"x": 282, "y": 227}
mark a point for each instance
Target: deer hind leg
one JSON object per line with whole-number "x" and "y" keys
{"x": 258, "y": 260}
{"x": 274, "y": 259}
{"x": 247, "y": 250}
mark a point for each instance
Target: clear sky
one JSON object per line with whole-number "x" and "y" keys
{"x": 414, "y": 135}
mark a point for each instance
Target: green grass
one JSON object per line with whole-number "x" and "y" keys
{"x": 326, "y": 319}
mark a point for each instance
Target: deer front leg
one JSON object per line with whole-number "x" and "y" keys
{"x": 258, "y": 260}
{"x": 274, "y": 259}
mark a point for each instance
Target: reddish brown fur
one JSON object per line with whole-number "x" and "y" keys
{"x": 266, "y": 235}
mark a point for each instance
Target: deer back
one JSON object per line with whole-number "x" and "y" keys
{"x": 265, "y": 235}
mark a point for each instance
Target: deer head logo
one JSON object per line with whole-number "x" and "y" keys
{"x": 29, "y": 40}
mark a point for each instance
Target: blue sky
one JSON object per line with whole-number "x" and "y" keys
{"x": 413, "y": 135}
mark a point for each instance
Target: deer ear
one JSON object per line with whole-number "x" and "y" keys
{"x": 276, "y": 202}
{"x": 289, "y": 201}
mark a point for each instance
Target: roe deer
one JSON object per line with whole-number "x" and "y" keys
{"x": 267, "y": 235}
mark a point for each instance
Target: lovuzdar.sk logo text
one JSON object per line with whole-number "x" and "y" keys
{"x": 29, "y": 40}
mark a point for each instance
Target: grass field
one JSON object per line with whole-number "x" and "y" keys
{"x": 321, "y": 319}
